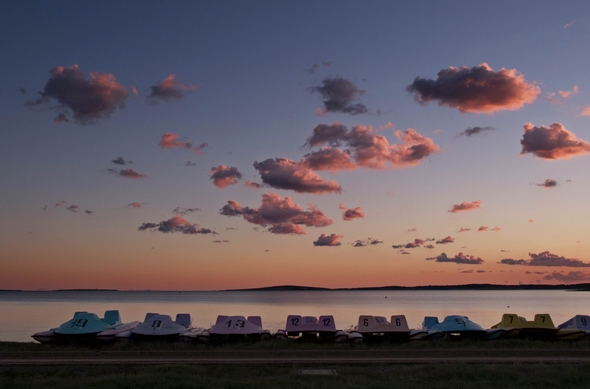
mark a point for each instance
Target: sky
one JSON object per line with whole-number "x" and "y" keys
{"x": 228, "y": 144}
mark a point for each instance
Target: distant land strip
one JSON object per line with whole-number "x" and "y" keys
{"x": 570, "y": 287}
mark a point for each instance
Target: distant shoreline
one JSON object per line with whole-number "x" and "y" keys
{"x": 571, "y": 287}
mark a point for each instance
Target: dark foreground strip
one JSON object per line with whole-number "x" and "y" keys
{"x": 292, "y": 360}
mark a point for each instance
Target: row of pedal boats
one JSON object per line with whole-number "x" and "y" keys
{"x": 88, "y": 326}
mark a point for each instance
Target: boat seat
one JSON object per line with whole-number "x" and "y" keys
{"x": 112, "y": 317}
{"x": 255, "y": 320}
{"x": 148, "y": 315}
{"x": 220, "y": 319}
{"x": 184, "y": 319}
{"x": 429, "y": 321}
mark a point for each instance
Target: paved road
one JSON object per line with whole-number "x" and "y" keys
{"x": 287, "y": 360}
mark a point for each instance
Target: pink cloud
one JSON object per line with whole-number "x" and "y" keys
{"x": 546, "y": 258}
{"x": 366, "y": 242}
{"x": 224, "y": 176}
{"x": 362, "y": 147}
{"x": 568, "y": 25}
{"x": 169, "y": 89}
{"x": 252, "y": 184}
{"x": 73, "y": 208}
{"x": 134, "y": 90}
{"x": 460, "y": 258}
{"x": 176, "y": 224}
{"x": 127, "y": 173}
{"x": 61, "y": 118}
{"x": 134, "y": 205}
{"x": 352, "y": 213}
{"x": 328, "y": 240}
{"x": 465, "y": 206}
{"x": 86, "y": 100}
{"x": 563, "y": 95}
{"x": 548, "y": 183}
{"x": 586, "y": 111}
{"x": 464, "y": 229}
{"x": 413, "y": 229}
{"x": 479, "y": 89}
{"x": 448, "y": 239}
{"x": 553, "y": 142}
{"x": 171, "y": 141}
{"x": 573, "y": 276}
{"x": 282, "y": 215}
{"x": 282, "y": 173}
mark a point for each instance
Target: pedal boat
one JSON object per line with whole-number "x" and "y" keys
{"x": 456, "y": 326}
{"x": 156, "y": 326}
{"x": 86, "y": 326}
{"x": 235, "y": 328}
{"x": 378, "y": 328}
{"x": 578, "y": 322}
{"x": 541, "y": 327}
{"x": 312, "y": 328}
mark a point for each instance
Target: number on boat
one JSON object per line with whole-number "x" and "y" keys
{"x": 156, "y": 323}
{"x": 295, "y": 321}
{"x": 80, "y": 323}
{"x": 398, "y": 322}
{"x": 366, "y": 322}
{"x": 584, "y": 322}
{"x": 326, "y": 322}
{"x": 511, "y": 319}
{"x": 543, "y": 317}
{"x": 240, "y": 323}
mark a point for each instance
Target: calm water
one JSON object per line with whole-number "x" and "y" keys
{"x": 24, "y": 313}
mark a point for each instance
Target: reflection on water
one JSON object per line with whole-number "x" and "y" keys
{"x": 24, "y": 313}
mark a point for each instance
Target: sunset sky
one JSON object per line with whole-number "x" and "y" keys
{"x": 233, "y": 144}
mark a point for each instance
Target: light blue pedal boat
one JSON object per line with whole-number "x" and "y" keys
{"x": 86, "y": 326}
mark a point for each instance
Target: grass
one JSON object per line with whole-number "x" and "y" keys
{"x": 378, "y": 375}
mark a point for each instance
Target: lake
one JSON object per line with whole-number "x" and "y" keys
{"x": 24, "y": 313}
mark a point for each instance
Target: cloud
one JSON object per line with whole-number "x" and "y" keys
{"x": 546, "y": 258}
{"x": 568, "y": 25}
{"x": 169, "y": 90}
{"x": 134, "y": 90}
{"x": 364, "y": 148}
{"x": 184, "y": 211}
{"x": 190, "y": 163}
{"x": 120, "y": 161}
{"x": 485, "y": 228}
{"x": 416, "y": 243}
{"x": 221, "y": 241}
{"x": 282, "y": 173}
{"x": 573, "y": 276}
{"x": 475, "y": 130}
{"x": 548, "y": 183}
{"x": 316, "y": 66}
{"x": 465, "y": 206}
{"x": 413, "y": 229}
{"x": 134, "y": 205}
{"x": 252, "y": 184}
{"x": 479, "y": 89}
{"x": 22, "y": 91}
{"x": 127, "y": 173}
{"x": 448, "y": 239}
{"x": 328, "y": 240}
{"x": 86, "y": 100}
{"x": 563, "y": 95}
{"x": 459, "y": 258}
{"x": 282, "y": 215}
{"x": 172, "y": 141}
{"x": 61, "y": 118}
{"x": 224, "y": 176}
{"x": 351, "y": 213}
{"x": 464, "y": 229}
{"x": 366, "y": 242}
{"x": 73, "y": 208}
{"x": 339, "y": 95}
{"x": 552, "y": 142}
{"x": 176, "y": 224}
{"x": 88, "y": 212}
{"x": 429, "y": 246}
{"x": 585, "y": 111}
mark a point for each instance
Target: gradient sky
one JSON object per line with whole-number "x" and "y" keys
{"x": 231, "y": 144}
